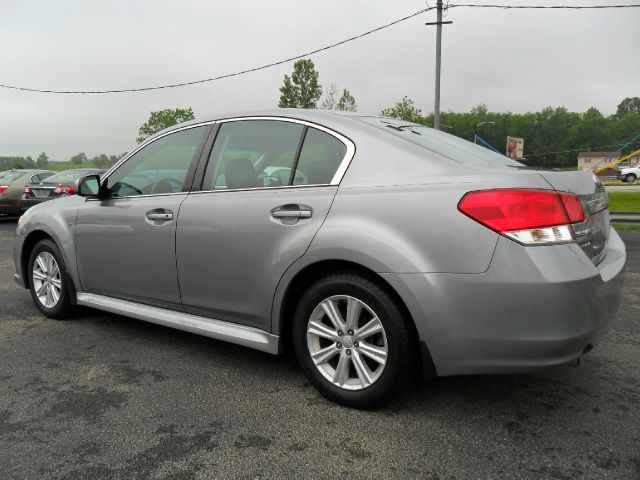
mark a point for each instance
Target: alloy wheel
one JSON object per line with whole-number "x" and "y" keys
{"x": 47, "y": 280}
{"x": 347, "y": 342}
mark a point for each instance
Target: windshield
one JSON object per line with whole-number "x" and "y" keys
{"x": 9, "y": 176}
{"x": 68, "y": 176}
{"x": 447, "y": 145}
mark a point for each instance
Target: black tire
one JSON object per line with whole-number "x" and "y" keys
{"x": 630, "y": 178}
{"x": 63, "y": 307}
{"x": 401, "y": 346}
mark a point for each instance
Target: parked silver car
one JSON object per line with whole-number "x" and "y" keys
{"x": 376, "y": 248}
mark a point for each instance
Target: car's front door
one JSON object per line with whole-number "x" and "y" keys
{"x": 267, "y": 188}
{"x": 125, "y": 240}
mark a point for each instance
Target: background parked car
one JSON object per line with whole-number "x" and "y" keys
{"x": 12, "y": 184}
{"x": 55, "y": 186}
{"x": 627, "y": 173}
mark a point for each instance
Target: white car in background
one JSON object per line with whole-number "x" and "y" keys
{"x": 629, "y": 174}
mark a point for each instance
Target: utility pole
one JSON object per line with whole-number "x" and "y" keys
{"x": 438, "y": 24}
{"x": 436, "y": 107}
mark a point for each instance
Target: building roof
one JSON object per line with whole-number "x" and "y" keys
{"x": 597, "y": 154}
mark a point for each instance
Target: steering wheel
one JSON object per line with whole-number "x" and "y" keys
{"x": 270, "y": 180}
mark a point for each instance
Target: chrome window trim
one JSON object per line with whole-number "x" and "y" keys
{"x": 335, "y": 181}
{"x": 130, "y": 197}
{"x": 280, "y": 187}
{"x": 337, "y": 177}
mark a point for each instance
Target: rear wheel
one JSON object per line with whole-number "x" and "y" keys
{"x": 630, "y": 178}
{"x": 352, "y": 341}
{"x": 48, "y": 280}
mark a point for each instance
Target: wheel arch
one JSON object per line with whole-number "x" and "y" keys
{"x": 302, "y": 279}
{"x": 28, "y": 244}
{"x": 30, "y": 241}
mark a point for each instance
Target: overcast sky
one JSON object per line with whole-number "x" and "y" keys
{"x": 511, "y": 60}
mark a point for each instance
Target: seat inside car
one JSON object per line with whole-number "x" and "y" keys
{"x": 239, "y": 173}
{"x": 320, "y": 173}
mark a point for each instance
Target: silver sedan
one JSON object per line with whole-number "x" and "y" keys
{"x": 375, "y": 248}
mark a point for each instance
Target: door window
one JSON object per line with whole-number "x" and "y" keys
{"x": 159, "y": 168}
{"x": 253, "y": 154}
{"x": 320, "y": 157}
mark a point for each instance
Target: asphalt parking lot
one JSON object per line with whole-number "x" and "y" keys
{"x": 106, "y": 397}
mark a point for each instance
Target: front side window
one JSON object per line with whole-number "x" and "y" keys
{"x": 159, "y": 168}
{"x": 252, "y": 154}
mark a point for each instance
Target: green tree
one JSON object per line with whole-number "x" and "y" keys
{"x": 330, "y": 98}
{"x": 162, "y": 119}
{"x": 42, "y": 161}
{"x": 628, "y": 105}
{"x": 347, "y": 103}
{"x": 101, "y": 161}
{"x": 405, "y": 109}
{"x": 17, "y": 166}
{"x": 480, "y": 109}
{"x": 302, "y": 89}
{"x": 79, "y": 159}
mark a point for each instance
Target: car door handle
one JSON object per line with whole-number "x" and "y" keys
{"x": 291, "y": 212}
{"x": 160, "y": 215}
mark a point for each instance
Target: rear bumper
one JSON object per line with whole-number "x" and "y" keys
{"x": 533, "y": 308}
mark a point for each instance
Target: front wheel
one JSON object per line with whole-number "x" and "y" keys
{"x": 630, "y": 178}
{"x": 352, "y": 341}
{"x": 48, "y": 280}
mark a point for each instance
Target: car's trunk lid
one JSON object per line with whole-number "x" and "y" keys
{"x": 592, "y": 234}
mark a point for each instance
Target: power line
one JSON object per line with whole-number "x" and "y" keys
{"x": 566, "y": 7}
{"x": 327, "y": 47}
{"x": 220, "y": 77}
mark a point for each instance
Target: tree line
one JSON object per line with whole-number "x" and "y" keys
{"x": 553, "y": 137}
{"x": 42, "y": 161}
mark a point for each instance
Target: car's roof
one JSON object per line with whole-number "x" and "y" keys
{"x": 27, "y": 170}
{"x": 327, "y": 118}
{"x": 88, "y": 169}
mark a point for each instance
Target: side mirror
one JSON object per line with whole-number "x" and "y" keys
{"x": 88, "y": 186}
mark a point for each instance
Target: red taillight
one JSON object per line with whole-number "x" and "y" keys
{"x": 3, "y": 188}
{"x": 63, "y": 190}
{"x": 573, "y": 207}
{"x": 27, "y": 191}
{"x": 529, "y": 216}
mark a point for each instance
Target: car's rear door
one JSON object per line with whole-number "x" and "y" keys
{"x": 251, "y": 218}
{"x": 125, "y": 240}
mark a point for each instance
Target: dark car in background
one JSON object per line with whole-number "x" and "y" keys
{"x": 62, "y": 183}
{"x": 12, "y": 184}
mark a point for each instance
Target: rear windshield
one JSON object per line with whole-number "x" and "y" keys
{"x": 10, "y": 176}
{"x": 68, "y": 176}
{"x": 445, "y": 144}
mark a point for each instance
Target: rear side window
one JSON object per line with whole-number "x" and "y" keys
{"x": 320, "y": 157}
{"x": 445, "y": 144}
{"x": 252, "y": 154}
